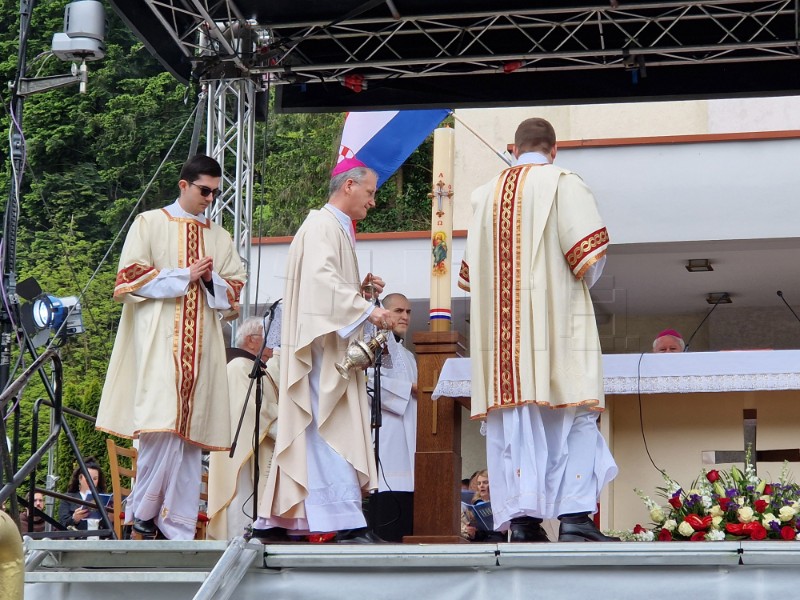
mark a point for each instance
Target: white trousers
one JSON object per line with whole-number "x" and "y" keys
{"x": 167, "y": 489}
{"x": 334, "y": 494}
{"x": 545, "y": 462}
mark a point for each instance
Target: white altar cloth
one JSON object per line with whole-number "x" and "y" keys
{"x": 650, "y": 373}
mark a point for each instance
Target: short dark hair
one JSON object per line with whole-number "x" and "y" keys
{"x": 535, "y": 134}
{"x": 198, "y": 165}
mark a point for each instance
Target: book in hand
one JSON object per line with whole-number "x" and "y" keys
{"x": 106, "y": 500}
{"x": 483, "y": 512}
{"x": 480, "y": 515}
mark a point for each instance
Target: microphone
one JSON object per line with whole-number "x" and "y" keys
{"x": 722, "y": 297}
{"x": 271, "y": 309}
{"x": 780, "y": 294}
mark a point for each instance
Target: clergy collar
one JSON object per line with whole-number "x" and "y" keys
{"x": 345, "y": 221}
{"x": 176, "y": 210}
{"x": 531, "y": 158}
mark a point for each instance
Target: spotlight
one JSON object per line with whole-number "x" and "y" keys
{"x": 44, "y": 313}
{"x": 50, "y": 312}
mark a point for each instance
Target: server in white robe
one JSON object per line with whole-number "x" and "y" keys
{"x": 394, "y": 502}
{"x": 535, "y": 245}
{"x": 323, "y": 461}
{"x": 179, "y": 275}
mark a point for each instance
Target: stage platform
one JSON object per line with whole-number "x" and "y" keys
{"x": 165, "y": 570}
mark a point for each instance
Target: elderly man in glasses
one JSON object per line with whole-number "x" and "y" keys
{"x": 179, "y": 276}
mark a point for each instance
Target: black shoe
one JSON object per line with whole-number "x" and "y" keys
{"x": 581, "y": 529}
{"x": 145, "y": 527}
{"x": 358, "y": 536}
{"x": 527, "y": 529}
{"x": 270, "y": 535}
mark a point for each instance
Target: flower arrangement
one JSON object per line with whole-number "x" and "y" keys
{"x": 720, "y": 505}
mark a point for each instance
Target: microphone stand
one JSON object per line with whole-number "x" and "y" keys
{"x": 780, "y": 294}
{"x": 708, "y": 314}
{"x": 375, "y": 423}
{"x": 256, "y": 376}
{"x": 376, "y": 420}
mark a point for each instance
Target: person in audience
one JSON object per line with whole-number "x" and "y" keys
{"x": 71, "y": 514}
{"x": 668, "y": 340}
{"x": 481, "y": 496}
{"x": 37, "y": 521}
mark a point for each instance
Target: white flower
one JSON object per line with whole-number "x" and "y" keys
{"x": 766, "y": 499}
{"x": 648, "y": 501}
{"x": 685, "y": 529}
{"x": 715, "y": 521}
{"x": 715, "y": 535}
{"x": 657, "y": 515}
{"x": 745, "y": 514}
{"x": 786, "y": 513}
{"x": 797, "y": 537}
{"x": 706, "y": 502}
{"x": 644, "y": 536}
{"x": 768, "y": 518}
{"x": 716, "y": 511}
{"x": 670, "y": 525}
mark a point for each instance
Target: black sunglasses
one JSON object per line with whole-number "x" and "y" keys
{"x": 206, "y": 191}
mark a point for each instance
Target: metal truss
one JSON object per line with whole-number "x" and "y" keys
{"x": 230, "y": 139}
{"x": 609, "y": 35}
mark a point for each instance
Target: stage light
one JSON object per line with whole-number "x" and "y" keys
{"x": 698, "y": 265}
{"x": 50, "y": 312}
{"x": 45, "y": 313}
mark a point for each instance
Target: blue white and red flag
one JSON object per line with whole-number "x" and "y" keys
{"x": 383, "y": 140}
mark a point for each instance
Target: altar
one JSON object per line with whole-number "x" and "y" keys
{"x": 678, "y": 406}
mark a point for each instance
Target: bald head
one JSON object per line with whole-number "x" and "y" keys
{"x": 399, "y": 305}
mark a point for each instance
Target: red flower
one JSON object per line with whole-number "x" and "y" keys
{"x": 755, "y": 530}
{"x": 735, "y": 528}
{"x": 697, "y": 536}
{"x": 712, "y": 475}
{"x": 697, "y": 522}
{"x": 760, "y": 505}
{"x": 664, "y": 536}
{"x": 639, "y": 529}
{"x": 768, "y": 490}
{"x": 723, "y": 503}
{"x": 787, "y": 533}
{"x": 675, "y": 502}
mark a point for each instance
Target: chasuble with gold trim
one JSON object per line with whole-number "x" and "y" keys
{"x": 534, "y": 233}
{"x": 167, "y": 369}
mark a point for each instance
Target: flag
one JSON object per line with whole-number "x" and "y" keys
{"x": 383, "y": 140}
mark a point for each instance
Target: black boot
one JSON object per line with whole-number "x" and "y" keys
{"x": 145, "y": 527}
{"x": 580, "y": 528}
{"x": 358, "y": 536}
{"x": 527, "y": 529}
{"x": 271, "y": 535}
